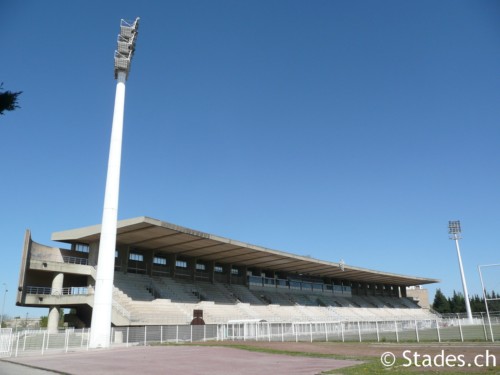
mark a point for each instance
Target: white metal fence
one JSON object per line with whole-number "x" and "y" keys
{"x": 41, "y": 342}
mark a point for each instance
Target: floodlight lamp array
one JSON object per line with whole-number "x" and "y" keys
{"x": 126, "y": 46}
{"x": 454, "y": 229}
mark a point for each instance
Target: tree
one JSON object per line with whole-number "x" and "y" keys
{"x": 441, "y": 303}
{"x": 43, "y": 321}
{"x": 457, "y": 303}
{"x": 4, "y": 321}
{"x": 8, "y": 100}
{"x": 477, "y": 304}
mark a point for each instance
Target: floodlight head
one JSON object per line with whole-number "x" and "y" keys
{"x": 342, "y": 265}
{"x": 126, "y": 46}
{"x": 454, "y": 227}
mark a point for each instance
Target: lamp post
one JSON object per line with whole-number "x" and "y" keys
{"x": 3, "y": 304}
{"x": 103, "y": 296}
{"x": 455, "y": 231}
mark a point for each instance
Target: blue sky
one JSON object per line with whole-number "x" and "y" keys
{"x": 336, "y": 129}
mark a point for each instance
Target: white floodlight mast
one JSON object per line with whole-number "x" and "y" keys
{"x": 454, "y": 231}
{"x": 100, "y": 335}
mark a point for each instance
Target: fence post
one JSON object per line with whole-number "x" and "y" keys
{"x": 359, "y": 331}
{"x": 17, "y": 344}
{"x": 191, "y": 333}
{"x": 204, "y": 333}
{"x": 396, "y": 326}
{"x": 484, "y": 328}
{"x": 43, "y": 341}
{"x": 81, "y": 342}
{"x": 311, "y": 331}
{"x": 145, "y": 334}
{"x": 437, "y": 329}
{"x": 177, "y": 334}
{"x": 460, "y": 328}
{"x": 161, "y": 334}
{"x": 128, "y": 335}
{"x": 66, "y": 341}
{"x": 416, "y": 330}
{"x": 269, "y": 331}
{"x": 378, "y": 335}
{"x": 282, "y": 333}
{"x": 342, "y": 330}
{"x": 296, "y": 335}
{"x": 326, "y": 332}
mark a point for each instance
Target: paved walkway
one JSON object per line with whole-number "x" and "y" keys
{"x": 171, "y": 360}
{"x": 7, "y": 368}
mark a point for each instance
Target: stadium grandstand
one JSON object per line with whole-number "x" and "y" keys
{"x": 166, "y": 274}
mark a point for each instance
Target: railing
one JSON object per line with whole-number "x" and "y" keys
{"x": 298, "y": 285}
{"x": 476, "y": 315}
{"x": 72, "y": 290}
{"x": 138, "y": 270}
{"x": 14, "y": 344}
{"x": 76, "y": 260}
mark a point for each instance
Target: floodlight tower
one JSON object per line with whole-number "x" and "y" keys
{"x": 454, "y": 231}
{"x": 103, "y": 296}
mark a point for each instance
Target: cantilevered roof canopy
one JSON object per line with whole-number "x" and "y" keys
{"x": 161, "y": 237}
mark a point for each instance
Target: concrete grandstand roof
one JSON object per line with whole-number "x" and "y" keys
{"x": 151, "y": 234}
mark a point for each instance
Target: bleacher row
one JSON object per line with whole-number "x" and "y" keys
{"x": 164, "y": 300}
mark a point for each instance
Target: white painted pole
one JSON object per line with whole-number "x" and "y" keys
{"x": 486, "y": 303}
{"x": 437, "y": 329}
{"x": 103, "y": 296}
{"x": 460, "y": 328}
{"x": 396, "y": 329}
{"x": 464, "y": 284}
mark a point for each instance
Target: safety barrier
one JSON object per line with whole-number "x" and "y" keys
{"x": 42, "y": 342}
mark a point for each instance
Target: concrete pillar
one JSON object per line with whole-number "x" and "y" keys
{"x": 229, "y": 273}
{"x": 57, "y": 290}
{"x": 57, "y": 284}
{"x": 245, "y": 275}
{"x": 192, "y": 268}
{"x": 126, "y": 258}
{"x": 148, "y": 262}
{"x": 93, "y": 253}
{"x": 402, "y": 290}
{"x": 211, "y": 271}
{"x": 53, "y": 319}
{"x": 171, "y": 262}
{"x": 385, "y": 289}
{"x": 394, "y": 291}
{"x": 118, "y": 260}
{"x": 370, "y": 289}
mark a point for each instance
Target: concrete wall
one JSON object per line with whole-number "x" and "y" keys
{"x": 420, "y": 296}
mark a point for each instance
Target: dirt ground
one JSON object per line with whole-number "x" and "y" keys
{"x": 170, "y": 359}
{"x": 475, "y": 354}
{"x": 220, "y": 358}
